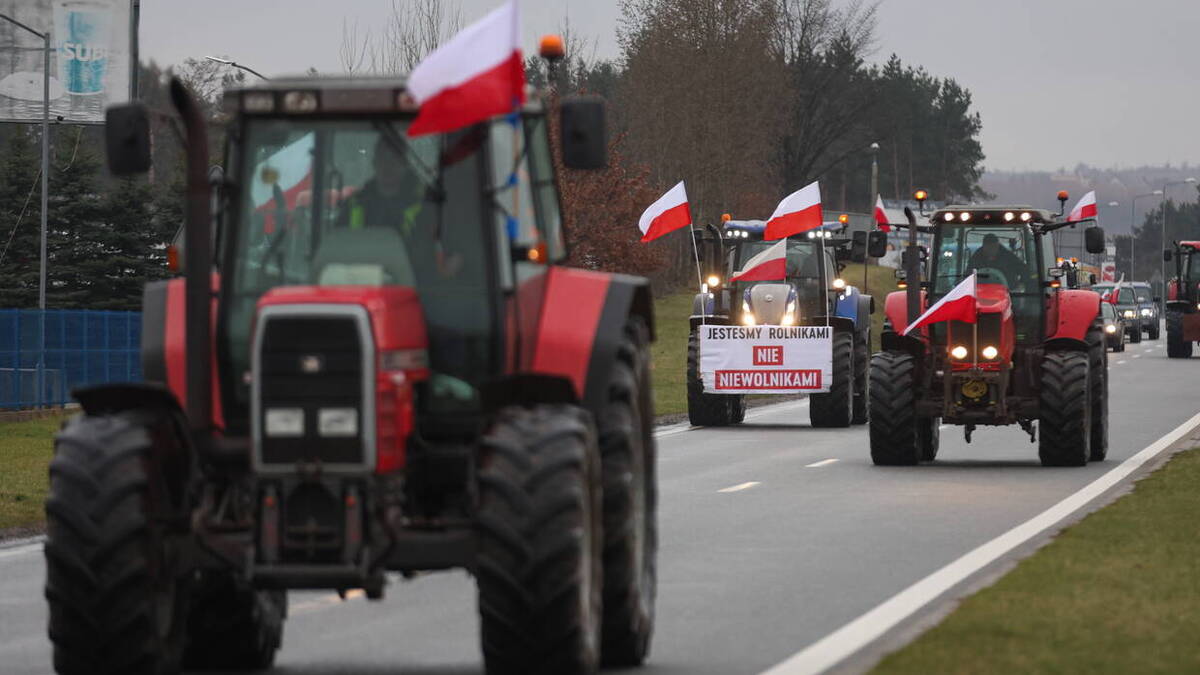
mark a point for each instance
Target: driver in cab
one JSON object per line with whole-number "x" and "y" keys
{"x": 995, "y": 256}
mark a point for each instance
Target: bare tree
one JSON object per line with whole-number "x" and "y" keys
{"x": 414, "y": 29}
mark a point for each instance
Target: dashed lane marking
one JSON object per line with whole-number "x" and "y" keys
{"x": 824, "y": 462}
{"x": 1120, "y": 362}
{"x": 740, "y": 486}
{"x": 850, "y": 638}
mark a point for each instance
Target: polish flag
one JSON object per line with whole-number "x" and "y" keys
{"x": 770, "y": 265}
{"x": 1086, "y": 208}
{"x": 798, "y": 212}
{"x": 957, "y": 305}
{"x": 881, "y": 218}
{"x": 666, "y": 215}
{"x": 477, "y": 74}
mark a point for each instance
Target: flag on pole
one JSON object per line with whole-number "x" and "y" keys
{"x": 881, "y": 218}
{"x": 770, "y": 265}
{"x": 798, "y": 212}
{"x": 477, "y": 74}
{"x": 669, "y": 213}
{"x": 1086, "y": 208}
{"x": 958, "y": 305}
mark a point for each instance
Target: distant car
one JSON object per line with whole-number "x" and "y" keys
{"x": 1125, "y": 300}
{"x": 1114, "y": 327}
{"x": 1147, "y": 308}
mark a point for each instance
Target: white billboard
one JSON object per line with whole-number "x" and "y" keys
{"x": 766, "y": 359}
{"x": 91, "y": 58}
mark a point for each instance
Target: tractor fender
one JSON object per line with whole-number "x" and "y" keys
{"x": 840, "y": 324}
{"x": 1181, "y": 306}
{"x": 164, "y": 348}
{"x": 895, "y": 307}
{"x": 704, "y": 310}
{"x": 1077, "y": 311}
{"x": 892, "y": 341}
{"x": 581, "y": 325}
{"x": 847, "y": 305}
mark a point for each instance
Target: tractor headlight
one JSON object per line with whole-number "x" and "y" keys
{"x": 788, "y": 319}
{"x": 746, "y": 306}
{"x": 1146, "y": 311}
{"x": 1128, "y": 314}
{"x": 714, "y": 281}
{"x": 791, "y": 307}
{"x": 1110, "y": 328}
{"x": 839, "y": 284}
{"x": 959, "y": 352}
{"x": 990, "y": 352}
{"x": 748, "y": 319}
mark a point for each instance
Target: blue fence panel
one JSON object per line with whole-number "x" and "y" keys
{"x": 82, "y": 348}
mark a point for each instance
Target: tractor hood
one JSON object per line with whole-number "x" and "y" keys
{"x": 994, "y": 299}
{"x": 768, "y": 302}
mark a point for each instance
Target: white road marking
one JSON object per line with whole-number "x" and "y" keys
{"x": 845, "y": 641}
{"x": 20, "y": 549}
{"x": 824, "y": 462}
{"x": 740, "y": 486}
{"x": 1120, "y": 362}
{"x": 1137, "y": 356}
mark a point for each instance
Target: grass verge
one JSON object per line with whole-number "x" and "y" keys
{"x": 1115, "y": 593}
{"x": 668, "y": 364}
{"x": 880, "y": 282}
{"x": 25, "y": 451}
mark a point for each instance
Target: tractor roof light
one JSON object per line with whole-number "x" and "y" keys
{"x": 920, "y": 195}
{"x": 948, "y": 217}
{"x": 1026, "y": 216}
{"x": 258, "y": 102}
{"x": 300, "y": 102}
{"x": 965, "y": 216}
{"x": 844, "y": 218}
{"x": 551, "y": 48}
{"x": 1008, "y": 216}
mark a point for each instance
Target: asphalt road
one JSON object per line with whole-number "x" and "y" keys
{"x": 773, "y": 536}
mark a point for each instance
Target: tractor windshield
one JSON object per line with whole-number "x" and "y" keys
{"x": 802, "y": 257}
{"x": 356, "y": 202}
{"x": 1000, "y": 255}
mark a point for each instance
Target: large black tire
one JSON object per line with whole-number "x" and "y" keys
{"x": 114, "y": 581}
{"x": 704, "y": 410}
{"x": 1152, "y": 330}
{"x": 1177, "y": 347}
{"x": 862, "y": 378}
{"x": 540, "y": 569}
{"x": 630, "y": 504}
{"x": 1135, "y": 336}
{"x": 894, "y": 425}
{"x": 1098, "y": 367}
{"x": 1064, "y": 420}
{"x": 737, "y": 406}
{"x": 929, "y": 437}
{"x": 835, "y": 408}
{"x": 232, "y": 626}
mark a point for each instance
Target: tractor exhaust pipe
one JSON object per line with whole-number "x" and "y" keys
{"x": 912, "y": 269}
{"x": 197, "y": 264}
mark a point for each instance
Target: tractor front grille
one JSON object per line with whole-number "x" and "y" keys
{"x": 313, "y": 401}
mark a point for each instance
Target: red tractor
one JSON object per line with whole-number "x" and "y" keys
{"x": 1183, "y": 299}
{"x": 1035, "y": 356}
{"x": 375, "y": 362}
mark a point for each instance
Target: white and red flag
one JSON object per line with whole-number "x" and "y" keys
{"x": 1085, "y": 208}
{"x": 881, "y": 218}
{"x": 798, "y": 212}
{"x": 957, "y": 305}
{"x": 669, "y": 213}
{"x": 770, "y": 265}
{"x": 477, "y": 74}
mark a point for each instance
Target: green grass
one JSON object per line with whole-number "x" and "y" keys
{"x": 25, "y": 451}
{"x": 1116, "y": 593}
{"x": 881, "y": 281}
{"x": 668, "y": 365}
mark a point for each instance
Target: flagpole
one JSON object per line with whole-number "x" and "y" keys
{"x": 975, "y": 325}
{"x": 696, "y": 252}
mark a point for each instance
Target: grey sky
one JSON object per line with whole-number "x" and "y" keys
{"x": 1105, "y": 82}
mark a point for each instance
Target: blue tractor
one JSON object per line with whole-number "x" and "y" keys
{"x": 813, "y": 294}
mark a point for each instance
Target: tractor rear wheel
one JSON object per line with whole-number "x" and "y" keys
{"x": 704, "y": 410}
{"x": 232, "y": 626}
{"x": 114, "y": 580}
{"x": 835, "y": 408}
{"x": 539, "y": 567}
{"x": 862, "y": 377}
{"x": 1177, "y": 347}
{"x": 1098, "y": 367}
{"x": 894, "y": 424}
{"x": 630, "y": 504}
{"x": 1064, "y": 419}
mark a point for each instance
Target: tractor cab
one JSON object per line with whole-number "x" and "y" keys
{"x": 809, "y": 290}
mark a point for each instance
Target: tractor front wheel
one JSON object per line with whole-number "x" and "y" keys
{"x": 232, "y": 626}
{"x": 894, "y": 424}
{"x": 1064, "y": 419}
{"x": 1152, "y": 330}
{"x": 706, "y": 410}
{"x": 862, "y": 377}
{"x": 540, "y": 525}
{"x": 835, "y": 408}
{"x": 114, "y": 580}
{"x": 1177, "y": 347}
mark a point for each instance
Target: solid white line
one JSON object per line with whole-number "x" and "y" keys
{"x": 753, "y": 413}
{"x": 845, "y": 641}
{"x": 740, "y": 486}
{"x": 824, "y": 462}
{"x": 20, "y": 550}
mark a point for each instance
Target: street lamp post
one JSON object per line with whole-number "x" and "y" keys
{"x": 1163, "y": 264}
{"x": 1132, "y": 238}
{"x": 239, "y": 66}
{"x": 41, "y": 362}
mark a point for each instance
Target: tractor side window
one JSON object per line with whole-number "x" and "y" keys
{"x": 544, "y": 188}
{"x": 512, "y": 188}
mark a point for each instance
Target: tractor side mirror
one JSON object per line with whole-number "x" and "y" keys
{"x": 127, "y": 139}
{"x": 584, "y": 145}
{"x": 1166, "y": 255}
{"x": 858, "y": 247}
{"x": 877, "y": 244}
{"x": 1157, "y": 299}
{"x": 1093, "y": 239}
{"x": 1091, "y": 279}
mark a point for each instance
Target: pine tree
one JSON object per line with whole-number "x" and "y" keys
{"x": 20, "y": 214}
